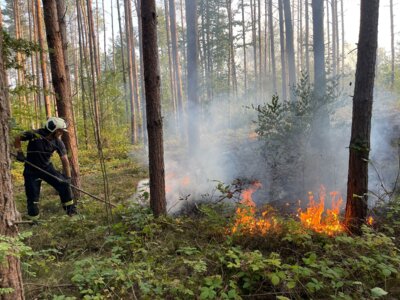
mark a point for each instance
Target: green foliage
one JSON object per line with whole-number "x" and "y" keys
{"x": 11, "y": 46}
{"x": 14, "y": 246}
{"x": 194, "y": 257}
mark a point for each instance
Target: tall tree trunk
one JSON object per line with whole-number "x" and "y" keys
{"x": 290, "y": 48}
{"x": 93, "y": 37}
{"x": 121, "y": 41}
{"x": 328, "y": 35}
{"x": 192, "y": 75}
{"x": 131, "y": 72}
{"x": 141, "y": 75}
{"x": 81, "y": 69}
{"x": 254, "y": 36}
{"x": 176, "y": 61}
{"x": 343, "y": 41}
{"x": 357, "y": 185}
{"x": 104, "y": 36}
{"x": 272, "y": 47}
{"x": 37, "y": 55}
{"x": 319, "y": 49}
{"x": 61, "y": 82}
{"x": 170, "y": 64}
{"x": 10, "y": 271}
{"x": 307, "y": 35}
{"x": 32, "y": 38}
{"x": 300, "y": 35}
{"x": 20, "y": 58}
{"x": 334, "y": 36}
{"x": 112, "y": 36}
{"x": 244, "y": 47}
{"x": 43, "y": 60}
{"x": 158, "y": 201}
{"x": 283, "y": 56}
{"x": 392, "y": 45}
{"x": 260, "y": 54}
{"x": 231, "y": 47}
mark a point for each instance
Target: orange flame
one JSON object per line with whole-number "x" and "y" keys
{"x": 370, "y": 220}
{"x": 315, "y": 218}
{"x": 246, "y": 222}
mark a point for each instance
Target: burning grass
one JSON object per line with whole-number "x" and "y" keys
{"x": 320, "y": 220}
{"x": 316, "y": 216}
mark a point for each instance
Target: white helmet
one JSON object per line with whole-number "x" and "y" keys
{"x": 54, "y": 123}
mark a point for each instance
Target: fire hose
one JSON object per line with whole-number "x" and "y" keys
{"x": 60, "y": 180}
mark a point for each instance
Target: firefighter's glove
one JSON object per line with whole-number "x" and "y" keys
{"x": 20, "y": 156}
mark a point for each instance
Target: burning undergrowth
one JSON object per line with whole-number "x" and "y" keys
{"x": 320, "y": 215}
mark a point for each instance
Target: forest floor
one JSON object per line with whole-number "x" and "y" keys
{"x": 127, "y": 254}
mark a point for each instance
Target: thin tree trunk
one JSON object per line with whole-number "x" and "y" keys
{"x": 123, "y": 61}
{"x": 254, "y": 36}
{"x": 192, "y": 75}
{"x": 290, "y": 48}
{"x": 319, "y": 49}
{"x": 283, "y": 56}
{"x": 357, "y": 185}
{"x": 334, "y": 35}
{"x": 43, "y": 60}
{"x": 141, "y": 76}
{"x": 104, "y": 37}
{"x": 328, "y": 35}
{"x": 392, "y": 45}
{"x": 158, "y": 201}
{"x": 343, "y": 41}
{"x": 231, "y": 47}
{"x": 10, "y": 270}
{"x": 260, "y": 54}
{"x": 92, "y": 36}
{"x": 170, "y": 64}
{"x": 244, "y": 48}
{"x": 81, "y": 69}
{"x": 132, "y": 89}
{"x": 307, "y": 36}
{"x": 175, "y": 61}
{"x": 112, "y": 36}
{"x": 32, "y": 38}
{"x": 272, "y": 43}
{"x": 93, "y": 62}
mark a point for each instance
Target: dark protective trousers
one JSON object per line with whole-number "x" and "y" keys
{"x": 33, "y": 180}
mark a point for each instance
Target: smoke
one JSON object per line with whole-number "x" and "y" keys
{"x": 229, "y": 150}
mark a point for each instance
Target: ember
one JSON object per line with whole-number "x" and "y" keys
{"x": 246, "y": 221}
{"x": 315, "y": 218}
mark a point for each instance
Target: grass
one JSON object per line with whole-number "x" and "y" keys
{"x": 130, "y": 254}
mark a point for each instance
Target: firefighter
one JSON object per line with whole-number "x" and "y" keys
{"x": 41, "y": 145}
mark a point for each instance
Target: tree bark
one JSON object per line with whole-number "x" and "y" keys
{"x": 43, "y": 60}
{"x": 244, "y": 47}
{"x": 290, "y": 48}
{"x": 357, "y": 185}
{"x": 153, "y": 107}
{"x": 131, "y": 71}
{"x": 123, "y": 60}
{"x": 10, "y": 271}
{"x": 283, "y": 56}
{"x": 192, "y": 75}
{"x": 307, "y": 35}
{"x": 61, "y": 82}
{"x": 392, "y": 45}
{"x": 176, "y": 61}
{"x": 272, "y": 47}
{"x": 319, "y": 49}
